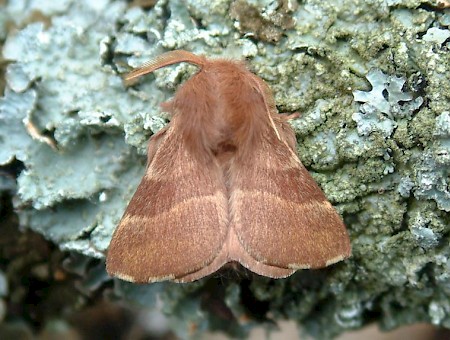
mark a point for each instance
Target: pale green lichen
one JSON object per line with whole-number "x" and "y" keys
{"x": 15, "y": 140}
{"x": 373, "y": 131}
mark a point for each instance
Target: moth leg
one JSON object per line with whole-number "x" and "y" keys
{"x": 154, "y": 143}
{"x": 167, "y": 106}
{"x": 286, "y": 132}
{"x": 290, "y": 116}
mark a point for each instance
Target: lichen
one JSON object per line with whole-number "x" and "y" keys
{"x": 383, "y": 103}
{"x": 267, "y": 22}
{"x": 374, "y": 131}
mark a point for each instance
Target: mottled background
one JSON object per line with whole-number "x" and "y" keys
{"x": 372, "y": 84}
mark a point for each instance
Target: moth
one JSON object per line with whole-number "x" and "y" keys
{"x": 223, "y": 184}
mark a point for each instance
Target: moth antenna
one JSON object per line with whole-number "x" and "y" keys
{"x": 268, "y": 101}
{"x": 163, "y": 60}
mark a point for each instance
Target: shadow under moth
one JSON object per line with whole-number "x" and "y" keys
{"x": 223, "y": 184}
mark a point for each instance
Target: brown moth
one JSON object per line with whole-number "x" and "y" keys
{"x": 223, "y": 184}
